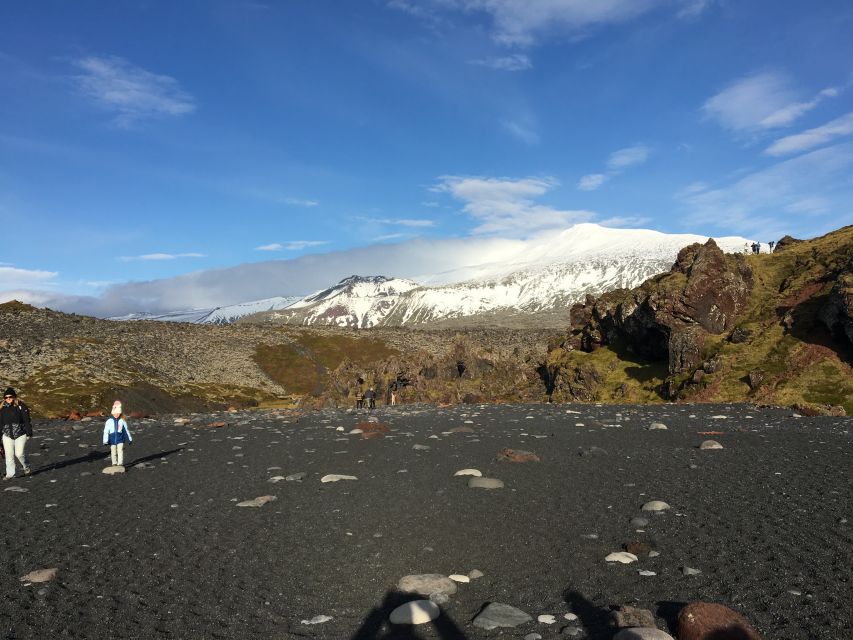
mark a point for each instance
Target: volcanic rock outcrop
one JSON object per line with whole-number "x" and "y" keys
{"x": 669, "y": 317}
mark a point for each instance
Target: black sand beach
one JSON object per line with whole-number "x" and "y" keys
{"x": 163, "y": 550}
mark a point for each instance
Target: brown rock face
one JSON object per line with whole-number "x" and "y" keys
{"x": 837, "y": 314}
{"x": 667, "y": 318}
{"x": 709, "y": 621}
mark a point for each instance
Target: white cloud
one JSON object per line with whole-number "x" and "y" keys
{"x": 299, "y": 245}
{"x": 14, "y": 278}
{"x": 591, "y": 181}
{"x": 133, "y": 93}
{"x": 275, "y": 246}
{"x": 509, "y": 205}
{"x": 521, "y": 131}
{"x": 628, "y": 157}
{"x": 753, "y": 203}
{"x": 298, "y": 202}
{"x": 523, "y": 22}
{"x": 812, "y": 138}
{"x": 760, "y": 101}
{"x": 421, "y": 223}
{"x": 514, "y": 62}
{"x": 617, "y": 162}
{"x": 161, "y": 257}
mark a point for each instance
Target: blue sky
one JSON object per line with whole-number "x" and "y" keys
{"x": 148, "y": 140}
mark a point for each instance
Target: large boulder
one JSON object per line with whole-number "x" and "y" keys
{"x": 837, "y": 313}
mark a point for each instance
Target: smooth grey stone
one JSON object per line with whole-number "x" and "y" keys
{"x": 497, "y": 615}
{"x": 485, "y": 483}
{"x": 427, "y": 584}
{"x": 296, "y": 477}
{"x": 639, "y": 522}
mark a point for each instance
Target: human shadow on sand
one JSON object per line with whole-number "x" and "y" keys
{"x": 596, "y": 621}
{"x": 377, "y": 627}
{"x": 153, "y": 456}
{"x": 92, "y": 456}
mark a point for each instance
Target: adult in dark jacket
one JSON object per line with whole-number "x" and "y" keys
{"x": 17, "y": 428}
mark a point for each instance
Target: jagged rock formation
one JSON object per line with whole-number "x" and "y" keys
{"x": 772, "y": 328}
{"x": 705, "y": 293}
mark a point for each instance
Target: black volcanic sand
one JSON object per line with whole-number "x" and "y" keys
{"x": 163, "y": 551}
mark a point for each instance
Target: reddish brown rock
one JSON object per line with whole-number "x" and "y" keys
{"x": 74, "y": 416}
{"x": 232, "y": 409}
{"x": 372, "y": 427}
{"x": 516, "y": 455}
{"x": 95, "y": 414}
{"x": 637, "y": 548}
{"x": 215, "y": 425}
{"x": 710, "y": 621}
{"x": 137, "y": 415}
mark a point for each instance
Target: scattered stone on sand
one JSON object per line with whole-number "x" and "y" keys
{"x": 485, "y": 483}
{"x": 639, "y": 522}
{"x": 496, "y": 614}
{"x": 592, "y": 451}
{"x": 690, "y": 571}
{"x": 654, "y": 554}
{"x": 334, "y": 477}
{"x": 439, "y": 598}
{"x": 355, "y": 432}
{"x": 426, "y": 584}
{"x": 113, "y": 470}
{"x": 628, "y": 616}
{"x": 571, "y": 617}
{"x": 215, "y": 425}
{"x": 317, "y": 619}
{"x": 296, "y": 477}
{"x": 469, "y": 472}
{"x": 710, "y": 445}
{"x": 642, "y": 633}
{"x": 275, "y": 479}
{"x": 546, "y": 619}
{"x": 533, "y": 636}
{"x": 621, "y": 556}
{"x": 707, "y": 621}
{"x": 516, "y": 455}
{"x": 182, "y": 421}
{"x": 646, "y": 573}
{"x": 636, "y": 547}
{"x": 657, "y": 426}
{"x": 458, "y": 577}
{"x": 16, "y": 489}
{"x": 40, "y": 575}
{"x": 655, "y": 505}
{"x": 420, "y": 447}
{"x": 475, "y": 574}
{"x": 415, "y": 612}
{"x": 260, "y": 501}
{"x": 461, "y": 430}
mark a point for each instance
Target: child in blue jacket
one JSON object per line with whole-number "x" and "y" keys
{"x": 116, "y": 434}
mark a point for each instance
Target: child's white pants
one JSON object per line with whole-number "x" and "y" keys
{"x": 117, "y": 453}
{"x": 15, "y": 449}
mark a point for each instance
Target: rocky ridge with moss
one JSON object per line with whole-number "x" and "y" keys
{"x": 775, "y": 329}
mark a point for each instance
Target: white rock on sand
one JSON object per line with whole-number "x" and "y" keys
{"x": 112, "y": 470}
{"x": 40, "y": 575}
{"x": 334, "y": 477}
{"x": 621, "y": 556}
{"x": 657, "y": 426}
{"x": 415, "y": 612}
{"x": 260, "y": 501}
{"x": 710, "y": 444}
{"x": 458, "y": 577}
{"x": 485, "y": 483}
{"x": 655, "y": 505}
{"x": 426, "y": 584}
{"x": 468, "y": 472}
{"x": 317, "y": 620}
{"x": 546, "y": 619}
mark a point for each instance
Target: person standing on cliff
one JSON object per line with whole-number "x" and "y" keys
{"x": 116, "y": 434}
{"x": 17, "y": 428}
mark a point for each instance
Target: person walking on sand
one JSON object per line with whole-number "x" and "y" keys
{"x": 116, "y": 434}
{"x": 17, "y": 428}
{"x": 370, "y": 396}
{"x": 359, "y": 399}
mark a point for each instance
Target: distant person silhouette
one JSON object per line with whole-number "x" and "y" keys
{"x": 370, "y": 396}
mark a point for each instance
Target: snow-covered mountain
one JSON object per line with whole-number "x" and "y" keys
{"x": 218, "y": 315}
{"x": 547, "y": 276}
